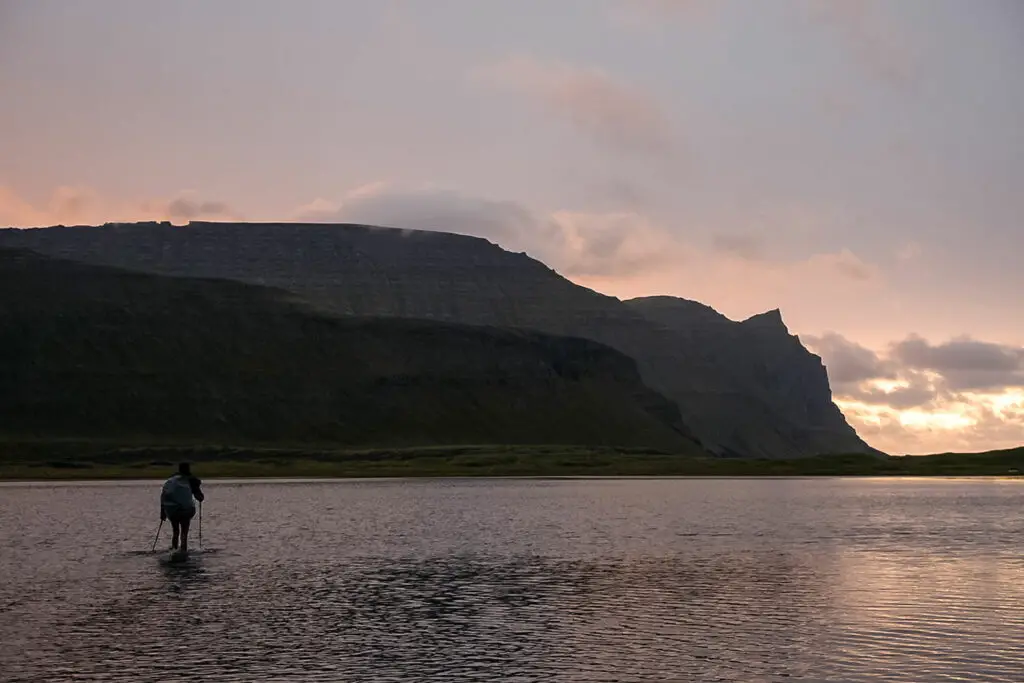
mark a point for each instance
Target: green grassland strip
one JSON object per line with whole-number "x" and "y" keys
{"x": 79, "y": 460}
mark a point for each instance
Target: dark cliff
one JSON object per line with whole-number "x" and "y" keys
{"x": 743, "y": 388}
{"x": 92, "y": 351}
{"x": 761, "y": 368}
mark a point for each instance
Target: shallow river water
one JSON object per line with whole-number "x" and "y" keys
{"x": 519, "y": 580}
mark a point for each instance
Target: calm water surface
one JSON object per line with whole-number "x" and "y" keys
{"x": 519, "y": 580}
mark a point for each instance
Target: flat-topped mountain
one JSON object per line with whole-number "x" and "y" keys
{"x": 97, "y": 352}
{"x": 743, "y": 388}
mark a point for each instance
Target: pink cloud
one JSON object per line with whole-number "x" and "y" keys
{"x": 16, "y": 212}
{"x": 613, "y": 113}
{"x": 79, "y": 205}
{"x": 979, "y": 423}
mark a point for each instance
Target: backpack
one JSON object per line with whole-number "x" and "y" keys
{"x": 176, "y": 494}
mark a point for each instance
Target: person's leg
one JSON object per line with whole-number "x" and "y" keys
{"x": 186, "y": 521}
{"x": 174, "y": 529}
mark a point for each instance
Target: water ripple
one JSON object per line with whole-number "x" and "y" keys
{"x": 487, "y": 581}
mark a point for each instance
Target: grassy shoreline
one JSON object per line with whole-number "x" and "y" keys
{"x": 76, "y": 460}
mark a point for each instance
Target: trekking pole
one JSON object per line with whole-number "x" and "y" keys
{"x": 200, "y": 525}
{"x": 157, "y": 535}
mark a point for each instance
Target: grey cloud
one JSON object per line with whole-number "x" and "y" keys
{"x": 744, "y": 246}
{"x": 873, "y": 40}
{"x": 186, "y": 209}
{"x": 983, "y": 380}
{"x": 575, "y": 244}
{"x": 966, "y": 364}
{"x": 958, "y": 355}
{"x": 848, "y": 362}
{"x": 933, "y": 372}
{"x": 618, "y": 194}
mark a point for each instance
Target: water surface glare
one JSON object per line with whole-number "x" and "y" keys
{"x": 519, "y": 580}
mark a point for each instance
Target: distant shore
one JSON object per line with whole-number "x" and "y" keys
{"x": 70, "y": 460}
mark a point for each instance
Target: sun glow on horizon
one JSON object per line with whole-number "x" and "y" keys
{"x": 949, "y": 420}
{"x": 965, "y": 422}
{"x": 888, "y": 386}
{"x": 1009, "y": 403}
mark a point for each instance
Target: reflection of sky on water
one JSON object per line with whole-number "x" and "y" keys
{"x": 855, "y": 580}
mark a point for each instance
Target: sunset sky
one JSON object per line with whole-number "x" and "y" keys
{"x": 858, "y": 164}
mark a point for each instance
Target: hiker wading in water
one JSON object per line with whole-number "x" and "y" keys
{"x": 176, "y": 503}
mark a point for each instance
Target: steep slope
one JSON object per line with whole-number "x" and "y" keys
{"x": 92, "y": 351}
{"x": 361, "y": 270}
{"x": 766, "y": 367}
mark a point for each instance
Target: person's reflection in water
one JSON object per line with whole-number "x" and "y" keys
{"x": 184, "y": 575}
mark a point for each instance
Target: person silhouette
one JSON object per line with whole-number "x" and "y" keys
{"x": 177, "y": 504}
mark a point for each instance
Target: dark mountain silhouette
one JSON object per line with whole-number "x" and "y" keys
{"x": 761, "y": 373}
{"x": 100, "y": 353}
{"x": 744, "y": 388}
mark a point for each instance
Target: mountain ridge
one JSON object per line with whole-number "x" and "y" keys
{"x": 98, "y": 352}
{"x": 743, "y": 388}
